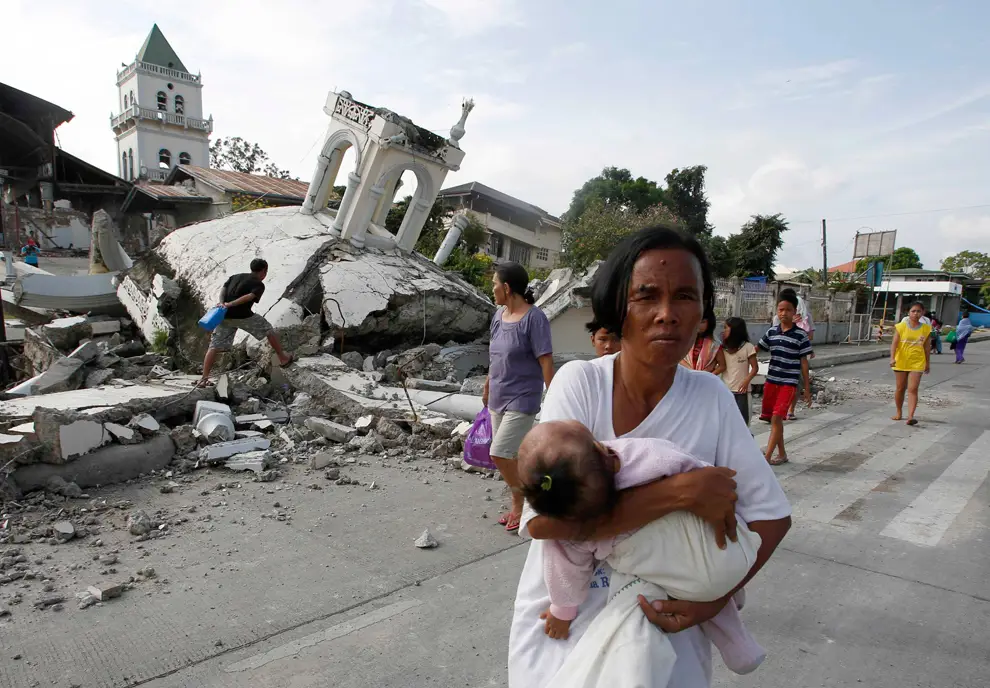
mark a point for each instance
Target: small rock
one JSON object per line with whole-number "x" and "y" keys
{"x": 139, "y": 523}
{"x": 64, "y": 530}
{"x": 108, "y": 559}
{"x": 333, "y": 474}
{"x": 353, "y": 359}
{"x": 107, "y": 591}
{"x": 426, "y": 540}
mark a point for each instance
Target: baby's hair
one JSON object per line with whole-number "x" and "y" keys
{"x": 568, "y": 478}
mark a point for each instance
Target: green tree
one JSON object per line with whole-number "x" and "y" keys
{"x": 598, "y": 230}
{"x": 719, "y": 256}
{"x": 902, "y": 258}
{"x": 685, "y": 195}
{"x": 616, "y": 189}
{"x": 754, "y": 249}
{"x": 234, "y": 153}
{"x": 434, "y": 230}
{"x": 973, "y": 262}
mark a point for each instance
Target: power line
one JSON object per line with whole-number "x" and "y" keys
{"x": 909, "y": 212}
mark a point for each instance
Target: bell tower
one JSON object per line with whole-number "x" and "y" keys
{"x": 161, "y": 122}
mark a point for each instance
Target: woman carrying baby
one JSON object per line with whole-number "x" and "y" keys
{"x": 652, "y": 290}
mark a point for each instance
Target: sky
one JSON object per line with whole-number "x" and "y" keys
{"x": 872, "y": 115}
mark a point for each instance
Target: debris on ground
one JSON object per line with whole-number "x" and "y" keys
{"x": 426, "y": 540}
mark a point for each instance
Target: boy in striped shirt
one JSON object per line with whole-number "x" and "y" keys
{"x": 789, "y": 349}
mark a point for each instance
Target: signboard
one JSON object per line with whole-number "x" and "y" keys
{"x": 874, "y": 244}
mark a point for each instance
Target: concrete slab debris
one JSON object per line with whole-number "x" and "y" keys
{"x": 223, "y": 450}
{"x": 79, "y": 437}
{"x": 139, "y": 523}
{"x": 216, "y": 427}
{"x": 257, "y": 461}
{"x": 206, "y": 407}
{"x": 433, "y": 385}
{"x": 106, "y": 591}
{"x": 145, "y": 424}
{"x": 332, "y": 431}
{"x": 64, "y": 530}
{"x": 137, "y": 398}
{"x": 122, "y": 434}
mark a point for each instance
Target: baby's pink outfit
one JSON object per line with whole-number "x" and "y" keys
{"x": 568, "y": 566}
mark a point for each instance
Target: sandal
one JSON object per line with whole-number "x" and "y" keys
{"x": 204, "y": 383}
{"x": 791, "y": 416}
{"x": 292, "y": 359}
{"x": 512, "y": 526}
{"x": 913, "y": 421}
{"x": 503, "y": 520}
{"x": 777, "y": 461}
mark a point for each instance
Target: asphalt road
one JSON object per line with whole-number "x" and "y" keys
{"x": 881, "y": 582}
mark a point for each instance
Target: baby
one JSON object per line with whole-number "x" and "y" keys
{"x": 567, "y": 474}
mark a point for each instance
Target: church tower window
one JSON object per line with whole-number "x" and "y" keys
{"x": 162, "y": 101}
{"x": 164, "y": 159}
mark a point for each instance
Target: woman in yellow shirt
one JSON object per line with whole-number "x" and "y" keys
{"x": 910, "y": 354}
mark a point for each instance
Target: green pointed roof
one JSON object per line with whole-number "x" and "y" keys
{"x": 157, "y": 51}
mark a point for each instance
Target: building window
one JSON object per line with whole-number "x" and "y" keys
{"x": 133, "y": 102}
{"x": 543, "y": 254}
{"x": 495, "y": 244}
{"x": 180, "y": 105}
{"x": 162, "y": 101}
{"x": 123, "y": 165}
{"x": 519, "y": 253}
{"x": 185, "y": 159}
{"x": 125, "y": 101}
{"x": 164, "y": 159}
{"x": 130, "y": 163}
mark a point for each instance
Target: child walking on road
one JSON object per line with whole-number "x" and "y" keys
{"x": 740, "y": 363}
{"x": 789, "y": 349}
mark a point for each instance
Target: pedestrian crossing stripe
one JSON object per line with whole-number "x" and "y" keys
{"x": 930, "y": 515}
{"x": 806, "y": 426}
{"x": 830, "y": 500}
{"x": 809, "y": 451}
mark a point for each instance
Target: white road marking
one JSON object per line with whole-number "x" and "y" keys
{"x": 929, "y": 516}
{"x": 844, "y": 490}
{"x": 337, "y": 631}
{"x": 807, "y": 454}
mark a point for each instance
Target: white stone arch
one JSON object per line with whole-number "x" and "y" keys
{"x": 327, "y": 169}
{"x": 419, "y": 207}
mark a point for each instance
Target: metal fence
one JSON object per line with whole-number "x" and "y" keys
{"x": 755, "y": 301}
{"x": 724, "y": 298}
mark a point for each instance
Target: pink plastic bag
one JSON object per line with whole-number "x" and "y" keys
{"x": 478, "y": 441}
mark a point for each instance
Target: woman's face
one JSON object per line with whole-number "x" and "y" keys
{"x": 702, "y": 327}
{"x": 666, "y": 293}
{"x": 500, "y": 291}
{"x": 726, "y": 331}
{"x": 915, "y": 313}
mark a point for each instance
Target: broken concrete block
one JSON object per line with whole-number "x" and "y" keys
{"x": 277, "y": 416}
{"x": 369, "y": 364}
{"x": 353, "y": 359}
{"x": 205, "y": 407}
{"x": 129, "y": 349}
{"x": 223, "y": 387}
{"x": 257, "y": 461}
{"x": 74, "y": 438}
{"x": 216, "y": 427}
{"x": 432, "y": 385}
{"x": 223, "y": 450}
{"x": 242, "y": 434}
{"x": 106, "y": 466}
{"x": 249, "y": 418}
{"x": 98, "y": 378}
{"x": 106, "y": 591}
{"x": 164, "y": 288}
{"x": 262, "y": 425}
{"x": 184, "y": 439}
{"x": 57, "y": 485}
{"x": 144, "y": 424}
{"x": 63, "y": 375}
{"x": 64, "y": 530}
{"x": 66, "y": 333}
{"x": 330, "y": 430}
{"x": 364, "y": 424}
{"x": 123, "y": 434}
{"x": 322, "y": 460}
{"x": 389, "y": 430}
{"x": 104, "y": 327}
{"x": 474, "y": 385}
{"x": 86, "y": 352}
{"x": 426, "y": 540}
{"x": 23, "y": 429}
{"x": 139, "y": 523}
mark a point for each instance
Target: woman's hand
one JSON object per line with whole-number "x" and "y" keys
{"x": 893, "y": 362}
{"x": 710, "y": 494}
{"x": 673, "y": 616}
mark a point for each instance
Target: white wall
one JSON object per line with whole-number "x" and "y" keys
{"x": 148, "y": 86}
{"x": 568, "y": 332}
{"x": 153, "y": 138}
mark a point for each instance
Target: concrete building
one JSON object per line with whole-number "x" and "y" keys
{"x": 941, "y": 291}
{"x": 161, "y": 122}
{"x": 518, "y": 231}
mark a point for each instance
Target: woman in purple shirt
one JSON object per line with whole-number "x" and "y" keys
{"x": 521, "y": 364}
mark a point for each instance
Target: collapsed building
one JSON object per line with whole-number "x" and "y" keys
{"x": 389, "y": 348}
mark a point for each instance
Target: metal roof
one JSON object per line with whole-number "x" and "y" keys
{"x": 163, "y": 191}
{"x": 161, "y": 196}
{"x": 495, "y": 195}
{"x": 157, "y": 51}
{"x": 242, "y": 182}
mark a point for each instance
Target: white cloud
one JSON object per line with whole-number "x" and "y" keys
{"x": 470, "y": 17}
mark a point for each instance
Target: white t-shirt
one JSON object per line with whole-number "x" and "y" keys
{"x": 699, "y": 414}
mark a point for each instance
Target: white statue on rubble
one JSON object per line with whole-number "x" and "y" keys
{"x": 457, "y": 131}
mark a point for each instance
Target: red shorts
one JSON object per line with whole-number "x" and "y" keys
{"x": 777, "y": 400}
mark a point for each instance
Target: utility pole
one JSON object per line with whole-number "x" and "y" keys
{"x": 824, "y": 256}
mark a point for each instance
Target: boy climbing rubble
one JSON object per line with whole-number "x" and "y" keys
{"x": 239, "y": 294}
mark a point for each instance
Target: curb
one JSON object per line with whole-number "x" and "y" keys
{"x": 853, "y": 356}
